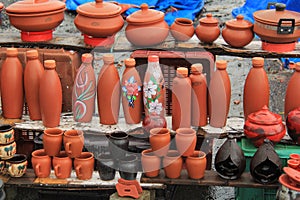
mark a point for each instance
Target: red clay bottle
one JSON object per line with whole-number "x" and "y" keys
{"x": 219, "y": 95}
{"x": 84, "y": 90}
{"x": 181, "y": 99}
{"x": 131, "y": 93}
{"x": 256, "y": 89}
{"x": 12, "y": 91}
{"x": 199, "y": 96}
{"x": 108, "y": 92}
{"x": 50, "y": 95}
{"x": 32, "y": 76}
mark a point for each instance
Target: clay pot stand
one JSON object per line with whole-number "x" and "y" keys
{"x": 129, "y": 188}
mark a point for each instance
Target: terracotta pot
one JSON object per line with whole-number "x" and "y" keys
{"x": 62, "y": 165}
{"x": 41, "y": 163}
{"x": 118, "y": 144}
{"x": 172, "y": 164}
{"x": 7, "y": 134}
{"x": 185, "y": 141}
{"x": 52, "y": 141}
{"x": 160, "y": 139}
{"x": 182, "y": 29}
{"x": 7, "y": 151}
{"x": 196, "y": 165}
{"x": 17, "y": 165}
{"x": 106, "y": 167}
{"x": 238, "y": 32}
{"x": 146, "y": 27}
{"x": 128, "y": 167}
{"x": 293, "y": 125}
{"x": 208, "y": 29}
{"x": 73, "y": 142}
{"x": 264, "y": 124}
{"x": 150, "y": 163}
{"x": 294, "y": 176}
{"x": 99, "y": 19}
{"x": 84, "y": 165}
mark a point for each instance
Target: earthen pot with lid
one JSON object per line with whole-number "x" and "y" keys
{"x": 146, "y": 27}
{"x": 208, "y": 29}
{"x": 99, "y": 19}
{"x": 238, "y": 32}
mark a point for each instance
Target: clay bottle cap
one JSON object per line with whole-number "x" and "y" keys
{"x": 11, "y": 51}
{"x": 87, "y": 58}
{"x": 32, "y": 54}
{"x": 130, "y": 62}
{"x": 182, "y": 71}
{"x": 221, "y": 64}
{"x": 209, "y": 19}
{"x": 197, "y": 68}
{"x": 108, "y": 58}
{"x": 297, "y": 66}
{"x": 153, "y": 58}
{"x": 258, "y": 62}
{"x": 49, "y": 64}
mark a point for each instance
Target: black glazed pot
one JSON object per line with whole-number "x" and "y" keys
{"x": 106, "y": 167}
{"x": 128, "y": 167}
{"x": 118, "y": 144}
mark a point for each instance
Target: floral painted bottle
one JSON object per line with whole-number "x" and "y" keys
{"x": 12, "y": 95}
{"x": 108, "y": 92}
{"x": 132, "y": 93}
{"x": 84, "y": 90}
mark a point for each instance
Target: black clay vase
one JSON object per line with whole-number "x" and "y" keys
{"x": 230, "y": 161}
{"x": 118, "y": 144}
{"x": 106, "y": 167}
{"x": 265, "y": 166}
{"x": 128, "y": 167}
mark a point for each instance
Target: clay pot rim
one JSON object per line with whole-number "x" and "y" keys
{"x": 186, "y": 131}
{"x": 197, "y": 155}
{"x": 111, "y": 135}
{"x": 73, "y": 133}
{"x": 295, "y": 156}
{"x": 5, "y": 128}
{"x": 16, "y": 156}
{"x": 53, "y": 132}
{"x": 148, "y": 153}
{"x": 37, "y": 153}
{"x": 158, "y": 131}
{"x": 36, "y": 14}
{"x": 182, "y": 20}
{"x": 293, "y": 162}
{"x": 61, "y": 155}
{"x": 95, "y": 10}
{"x": 85, "y": 156}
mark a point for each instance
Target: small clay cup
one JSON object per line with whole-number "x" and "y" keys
{"x": 150, "y": 163}
{"x": 186, "y": 141}
{"x": 6, "y": 134}
{"x": 17, "y": 165}
{"x": 196, "y": 165}
{"x": 160, "y": 141}
{"x": 106, "y": 166}
{"x": 73, "y": 142}
{"x": 41, "y": 163}
{"x": 52, "y": 140}
{"x": 84, "y": 165}
{"x": 62, "y": 165}
{"x": 172, "y": 163}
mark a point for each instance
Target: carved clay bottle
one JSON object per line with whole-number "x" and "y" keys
{"x": 132, "y": 93}
{"x": 84, "y": 90}
{"x": 32, "y": 76}
{"x": 12, "y": 95}
{"x": 199, "y": 96}
{"x": 181, "y": 99}
{"x": 50, "y": 95}
{"x": 108, "y": 92}
{"x": 220, "y": 95}
{"x": 256, "y": 89}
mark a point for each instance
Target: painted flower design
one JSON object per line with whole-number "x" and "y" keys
{"x": 152, "y": 94}
{"x": 131, "y": 90}
{"x": 149, "y": 89}
{"x": 155, "y": 107}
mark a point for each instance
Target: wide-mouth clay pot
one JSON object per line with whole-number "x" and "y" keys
{"x": 99, "y": 19}
{"x": 146, "y": 27}
{"x": 182, "y": 29}
{"x": 277, "y": 25}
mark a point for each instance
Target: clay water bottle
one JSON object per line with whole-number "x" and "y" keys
{"x": 50, "y": 95}
{"x": 292, "y": 96}
{"x": 12, "y": 91}
{"x": 84, "y": 90}
{"x": 256, "y": 89}
{"x": 199, "y": 96}
{"x": 220, "y": 95}
{"x": 32, "y": 76}
{"x": 131, "y": 93}
{"x": 108, "y": 92}
{"x": 181, "y": 99}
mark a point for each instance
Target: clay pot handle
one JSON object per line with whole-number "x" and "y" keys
{"x": 78, "y": 170}
{"x": 37, "y": 170}
{"x": 68, "y": 150}
{"x": 57, "y": 171}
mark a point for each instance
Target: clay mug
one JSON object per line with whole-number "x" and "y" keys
{"x": 7, "y": 151}
{"x": 196, "y": 165}
{"x": 41, "y": 163}
{"x": 17, "y": 165}
{"x": 52, "y": 141}
{"x": 62, "y": 165}
{"x": 160, "y": 141}
{"x": 150, "y": 163}
{"x": 73, "y": 142}
{"x": 186, "y": 141}
{"x": 106, "y": 166}
{"x": 6, "y": 134}
{"x": 84, "y": 165}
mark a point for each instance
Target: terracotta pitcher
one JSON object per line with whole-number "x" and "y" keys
{"x": 150, "y": 163}
{"x": 41, "y": 163}
{"x": 84, "y": 165}
{"x": 196, "y": 165}
{"x": 185, "y": 141}
{"x": 73, "y": 142}
{"x": 160, "y": 139}
{"x": 52, "y": 141}
{"x": 62, "y": 165}
{"x": 172, "y": 164}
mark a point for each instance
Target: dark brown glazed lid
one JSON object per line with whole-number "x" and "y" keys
{"x": 145, "y": 16}
{"x": 264, "y": 117}
{"x": 209, "y": 19}
{"x": 99, "y": 9}
{"x": 35, "y": 6}
{"x": 239, "y": 23}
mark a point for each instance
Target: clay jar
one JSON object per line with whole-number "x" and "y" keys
{"x": 17, "y": 165}
{"x": 62, "y": 165}
{"x": 208, "y": 29}
{"x": 182, "y": 29}
{"x": 196, "y": 165}
{"x": 106, "y": 166}
{"x": 41, "y": 163}
{"x": 73, "y": 142}
{"x": 84, "y": 165}
{"x": 118, "y": 144}
{"x": 146, "y": 27}
{"x": 160, "y": 139}
{"x": 150, "y": 163}
{"x": 172, "y": 164}
{"x": 7, "y": 134}
{"x": 185, "y": 141}
{"x": 238, "y": 32}
{"x": 52, "y": 141}
{"x": 293, "y": 125}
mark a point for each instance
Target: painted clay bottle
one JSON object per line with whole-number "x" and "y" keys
{"x": 199, "y": 96}
{"x": 50, "y": 95}
{"x": 220, "y": 95}
{"x": 256, "y": 89}
{"x": 84, "y": 90}
{"x": 292, "y": 96}
{"x": 108, "y": 92}
{"x": 181, "y": 99}
{"x": 132, "y": 93}
{"x": 12, "y": 95}
{"x": 32, "y": 76}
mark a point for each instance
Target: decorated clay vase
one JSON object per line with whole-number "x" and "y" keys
{"x": 172, "y": 164}
{"x": 17, "y": 165}
{"x": 84, "y": 165}
{"x": 208, "y": 29}
{"x": 182, "y": 29}
{"x": 52, "y": 141}
{"x": 150, "y": 163}
{"x": 160, "y": 139}
{"x": 196, "y": 165}
{"x": 293, "y": 125}
{"x": 7, "y": 134}
{"x": 8, "y": 150}
{"x": 118, "y": 144}
{"x": 128, "y": 167}
{"x": 106, "y": 166}
{"x": 73, "y": 141}
{"x": 62, "y": 165}
{"x": 185, "y": 141}
{"x": 41, "y": 163}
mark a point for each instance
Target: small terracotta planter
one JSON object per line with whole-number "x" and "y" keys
{"x": 182, "y": 29}
{"x": 17, "y": 165}
{"x": 52, "y": 141}
{"x": 196, "y": 165}
{"x": 6, "y": 134}
{"x": 186, "y": 141}
{"x": 150, "y": 163}
{"x": 41, "y": 163}
{"x": 208, "y": 29}
{"x": 160, "y": 141}
{"x": 172, "y": 164}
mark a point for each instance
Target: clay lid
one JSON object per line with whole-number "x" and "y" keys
{"x": 153, "y": 58}
{"x": 35, "y": 6}
{"x": 145, "y": 16}
{"x": 209, "y": 19}
{"x": 264, "y": 117}
{"x": 239, "y": 23}
{"x": 182, "y": 71}
{"x": 108, "y": 58}
{"x": 87, "y": 58}
{"x": 49, "y": 64}
{"x": 32, "y": 54}
{"x": 130, "y": 62}
{"x": 11, "y": 51}
{"x": 258, "y": 62}
{"x": 99, "y": 9}
{"x": 272, "y": 16}
{"x": 221, "y": 64}
{"x": 197, "y": 68}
